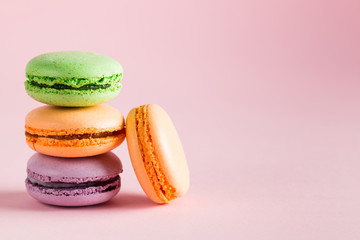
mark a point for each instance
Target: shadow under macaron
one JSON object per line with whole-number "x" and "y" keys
{"x": 21, "y": 201}
{"x": 128, "y": 201}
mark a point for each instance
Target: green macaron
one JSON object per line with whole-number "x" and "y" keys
{"x": 73, "y": 79}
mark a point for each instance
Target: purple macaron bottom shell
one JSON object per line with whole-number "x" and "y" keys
{"x": 73, "y": 196}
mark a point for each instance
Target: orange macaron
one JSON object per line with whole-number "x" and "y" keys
{"x": 156, "y": 153}
{"x": 74, "y": 132}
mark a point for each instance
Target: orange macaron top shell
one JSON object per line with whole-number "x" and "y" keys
{"x": 74, "y": 132}
{"x": 156, "y": 153}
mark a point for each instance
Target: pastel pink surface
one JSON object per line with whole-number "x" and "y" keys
{"x": 264, "y": 95}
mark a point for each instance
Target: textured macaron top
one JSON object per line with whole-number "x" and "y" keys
{"x": 54, "y": 169}
{"x": 73, "y": 64}
{"x": 51, "y": 120}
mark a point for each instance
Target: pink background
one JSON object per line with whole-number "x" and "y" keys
{"x": 265, "y": 96}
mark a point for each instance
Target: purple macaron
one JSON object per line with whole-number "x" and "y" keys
{"x": 73, "y": 181}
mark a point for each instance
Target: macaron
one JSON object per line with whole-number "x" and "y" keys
{"x": 73, "y": 182}
{"x": 156, "y": 153}
{"x": 73, "y": 78}
{"x": 74, "y": 132}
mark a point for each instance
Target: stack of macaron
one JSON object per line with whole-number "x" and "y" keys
{"x": 74, "y": 134}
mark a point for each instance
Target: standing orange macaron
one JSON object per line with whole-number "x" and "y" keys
{"x": 74, "y": 132}
{"x": 156, "y": 153}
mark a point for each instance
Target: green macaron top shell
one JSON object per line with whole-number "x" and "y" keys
{"x": 73, "y": 64}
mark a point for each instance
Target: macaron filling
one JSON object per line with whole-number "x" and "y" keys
{"x": 63, "y": 86}
{"x": 164, "y": 190}
{"x": 104, "y": 182}
{"x": 73, "y": 83}
{"x": 74, "y": 188}
{"x": 78, "y": 136}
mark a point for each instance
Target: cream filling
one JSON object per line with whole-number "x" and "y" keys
{"x": 163, "y": 189}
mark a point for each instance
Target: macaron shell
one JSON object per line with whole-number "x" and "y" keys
{"x": 73, "y": 201}
{"x": 73, "y": 64}
{"x": 61, "y": 121}
{"x": 80, "y": 148}
{"x": 167, "y": 147}
{"x": 57, "y": 168}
